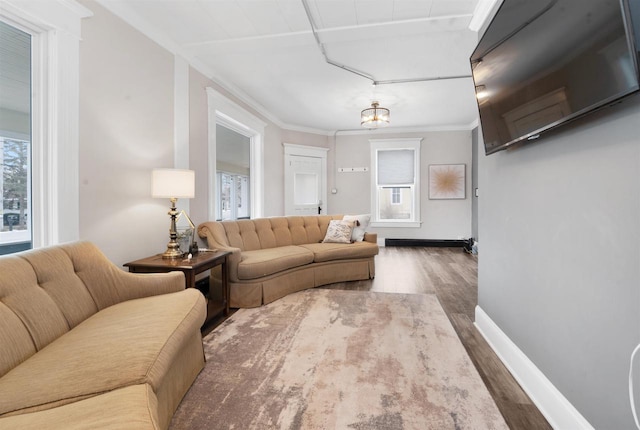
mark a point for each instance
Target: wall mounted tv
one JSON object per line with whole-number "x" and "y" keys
{"x": 542, "y": 63}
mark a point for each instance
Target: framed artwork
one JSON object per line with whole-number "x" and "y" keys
{"x": 447, "y": 181}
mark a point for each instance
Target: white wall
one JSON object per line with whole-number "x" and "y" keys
{"x": 198, "y": 145}
{"x": 559, "y": 266}
{"x": 198, "y": 149}
{"x": 126, "y": 130}
{"x": 441, "y": 219}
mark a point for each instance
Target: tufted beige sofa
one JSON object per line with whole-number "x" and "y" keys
{"x": 85, "y": 345}
{"x": 273, "y": 257}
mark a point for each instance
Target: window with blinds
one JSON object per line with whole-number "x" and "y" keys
{"x": 15, "y": 140}
{"x": 395, "y": 168}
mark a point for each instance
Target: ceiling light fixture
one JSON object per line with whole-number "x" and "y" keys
{"x": 375, "y": 116}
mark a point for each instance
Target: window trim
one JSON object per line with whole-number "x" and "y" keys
{"x": 55, "y": 27}
{"x": 377, "y": 145}
{"x": 224, "y": 111}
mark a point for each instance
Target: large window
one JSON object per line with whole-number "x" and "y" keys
{"x": 15, "y": 139}
{"x": 39, "y": 110}
{"x": 395, "y": 195}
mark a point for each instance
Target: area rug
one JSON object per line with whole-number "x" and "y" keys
{"x": 333, "y": 359}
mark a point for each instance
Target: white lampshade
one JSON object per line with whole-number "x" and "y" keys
{"x": 173, "y": 183}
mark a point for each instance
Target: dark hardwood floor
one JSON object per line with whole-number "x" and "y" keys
{"x": 452, "y": 275}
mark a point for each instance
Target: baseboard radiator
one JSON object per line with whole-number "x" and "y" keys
{"x": 440, "y": 243}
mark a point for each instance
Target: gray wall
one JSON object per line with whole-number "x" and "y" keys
{"x": 559, "y": 266}
{"x": 441, "y": 219}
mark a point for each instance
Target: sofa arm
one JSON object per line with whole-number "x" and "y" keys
{"x": 108, "y": 284}
{"x": 371, "y": 237}
{"x": 214, "y": 234}
{"x": 140, "y": 285}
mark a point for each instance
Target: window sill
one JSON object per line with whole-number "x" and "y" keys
{"x": 396, "y": 224}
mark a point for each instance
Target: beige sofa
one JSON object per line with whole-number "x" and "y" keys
{"x": 85, "y": 345}
{"x": 273, "y": 257}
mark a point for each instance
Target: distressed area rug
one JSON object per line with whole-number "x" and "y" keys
{"x": 332, "y": 359}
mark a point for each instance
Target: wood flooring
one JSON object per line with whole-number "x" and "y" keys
{"x": 452, "y": 275}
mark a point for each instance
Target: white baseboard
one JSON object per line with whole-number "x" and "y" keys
{"x": 560, "y": 413}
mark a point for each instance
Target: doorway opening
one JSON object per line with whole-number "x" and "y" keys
{"x": 233, "y": 165}
{"x": 236, "y": 187}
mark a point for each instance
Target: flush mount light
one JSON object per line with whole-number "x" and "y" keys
{"x": 375, "y": 116}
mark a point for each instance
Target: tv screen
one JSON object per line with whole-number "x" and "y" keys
{"x": 542, "y": 63}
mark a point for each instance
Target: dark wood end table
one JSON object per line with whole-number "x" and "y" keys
{"x": 204, "y": 260}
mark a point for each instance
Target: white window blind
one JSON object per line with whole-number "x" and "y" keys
{"x": 395, "y": 180}
{"x": 396, "y": 167}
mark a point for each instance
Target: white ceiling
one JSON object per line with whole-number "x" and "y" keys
{"x": 266, "y": 53}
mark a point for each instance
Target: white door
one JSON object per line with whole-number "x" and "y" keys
{"x": 303, "y": 185}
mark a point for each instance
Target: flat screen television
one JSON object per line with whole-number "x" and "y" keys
{"x": 542, "y": 63}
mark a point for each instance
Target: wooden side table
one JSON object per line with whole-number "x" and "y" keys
{"x": 199, "y": 263}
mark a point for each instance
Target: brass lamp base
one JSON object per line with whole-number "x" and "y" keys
{"x": 173, "y": 251}
{"x": 173, "y": 247}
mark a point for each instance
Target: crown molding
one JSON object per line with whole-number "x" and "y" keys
{"x": 134, "y": 19}
{"x": 398, "y": 130}
{"x": 53, "y": 14}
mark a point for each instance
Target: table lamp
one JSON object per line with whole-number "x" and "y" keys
{"x": 173, "y": 184}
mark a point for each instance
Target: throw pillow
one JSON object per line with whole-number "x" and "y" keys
{"x": 339, "y": 231}
{"x": 361, "y": 223}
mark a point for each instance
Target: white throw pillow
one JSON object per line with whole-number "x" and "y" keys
{"x": 361, "y": 222}
{"x": 339, "y": 231}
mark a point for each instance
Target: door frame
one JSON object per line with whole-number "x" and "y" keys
{"x": 305, "y": 151}
{"x": 224, "y": 111}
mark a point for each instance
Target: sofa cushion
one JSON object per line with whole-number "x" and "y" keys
{"x": 264, "y": 262}
{"x": 339, "y": 231}
{"x": 361, "y": 222}
{"x": 133, "y": 342}
{"x": 341, "y": 251}
{"x": 129, "y": 408}
{"x": 31, "y": 307}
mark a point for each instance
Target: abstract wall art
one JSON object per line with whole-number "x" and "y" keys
{"x": 447, "y": 181}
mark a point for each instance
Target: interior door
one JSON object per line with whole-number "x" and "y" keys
{"x": 303, "y": 185}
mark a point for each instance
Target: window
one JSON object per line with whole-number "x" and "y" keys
{"x": 15, "y": 140}
{"x": 395, "y": 197}
{"x": 233, "y": 196}
{"x": 41, "y": 107}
